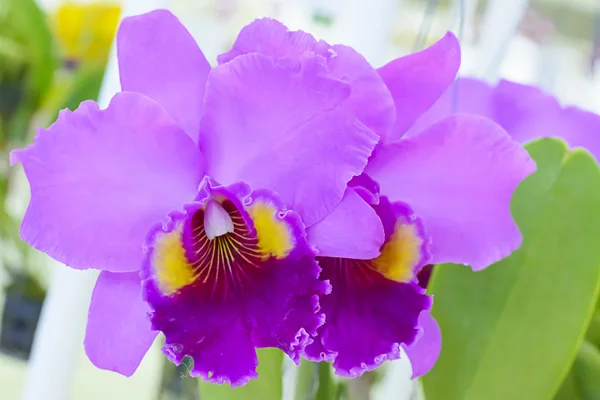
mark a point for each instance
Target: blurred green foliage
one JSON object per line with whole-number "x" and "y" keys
{"x": 36, "y": 82}
{"x": 315, "y": 381}
{"x": 27, "y": 66}
{"x": 583, "y": 381}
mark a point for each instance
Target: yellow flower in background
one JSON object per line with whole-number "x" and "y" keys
{"x": 85, "y": 31}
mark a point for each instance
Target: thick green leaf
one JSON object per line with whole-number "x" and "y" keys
{"x": 513, "y": 330}
{"x": 583, "y": 382}
{"x": 593, "y": 333}
{"x": 268, "y": 385}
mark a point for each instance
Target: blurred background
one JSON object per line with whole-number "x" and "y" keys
{"x": 53, "y": 55}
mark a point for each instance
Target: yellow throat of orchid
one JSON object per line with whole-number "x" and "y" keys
{"x": 400, "y": 254}
{"x": 274, "y": 238}
{"x": 223, "y": 243}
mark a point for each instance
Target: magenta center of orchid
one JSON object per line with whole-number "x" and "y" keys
{"x": 213, "y": 253}
{"x": 221, "y": 247}
{"x": 355, "y": 273}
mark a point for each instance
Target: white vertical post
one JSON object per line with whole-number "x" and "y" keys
{"x": 59, "y": 335}
{"x": 549, "y": 66}
{"x": 463, "y": 19}
{"x": 58, "y": 339}
{"x": 595, "y": 81}
{"x": 396, "y": 383}
{"x": 594, "y": 104}
{"x": 500, "y": 23}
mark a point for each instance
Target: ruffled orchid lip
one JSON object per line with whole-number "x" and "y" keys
{"x": 365, "y": 324}
{"x": 253, "y": 284}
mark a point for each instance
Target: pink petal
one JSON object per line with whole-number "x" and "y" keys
{"x": 275, "y": 124}
{"x": 270, "y": 37}
{"x": 424, "y": 352}
{"x": 159, "y": 58}
{"x": 370, "y": 99}
{"x": 352, "y": 230}
{"x": 527, "y": 113}
{"x": 458, "y": 176}
{"x": 118, "y": 333}
{"x": 100, "y": 178}
{"x": 465, "y": 96}
{"x": 418, "y": 80}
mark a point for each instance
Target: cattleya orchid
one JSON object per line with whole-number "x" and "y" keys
{"x": 270, "y": 201}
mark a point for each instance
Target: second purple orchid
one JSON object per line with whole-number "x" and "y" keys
{"x": 270, "y": 201}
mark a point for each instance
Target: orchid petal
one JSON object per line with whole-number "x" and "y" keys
{"x": 278, "y": 125}
{"x": 101, "y": 178}
{"x": 459, "y": 176}
{"x": 160, "y": 59}
{"x": 416, "y": 81}
{"x": 351, "y": 230}
{"x": 424, "y": 351}
{"x": 118, "y": 332}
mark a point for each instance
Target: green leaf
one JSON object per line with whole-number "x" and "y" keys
{"x": 593, "y": 333}
{"x": 11, "y": 51}
{"x": 327, "y": 387}
{"x": 583, "y": 382}
{"x": 27, "y": 24}
{"x": 512, "y": 330}
{"x": 86, "y": 86}
{"x": 268, "y": 385}
{"x": 307, "y": 380}
{"x": 315, "y": 381}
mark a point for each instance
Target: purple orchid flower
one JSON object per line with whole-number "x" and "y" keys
{"x": 525, "y": 111}
{"x": 445, "y": 197}
{"x": 204, "y": 195}
{"x": 191, "y": 192}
